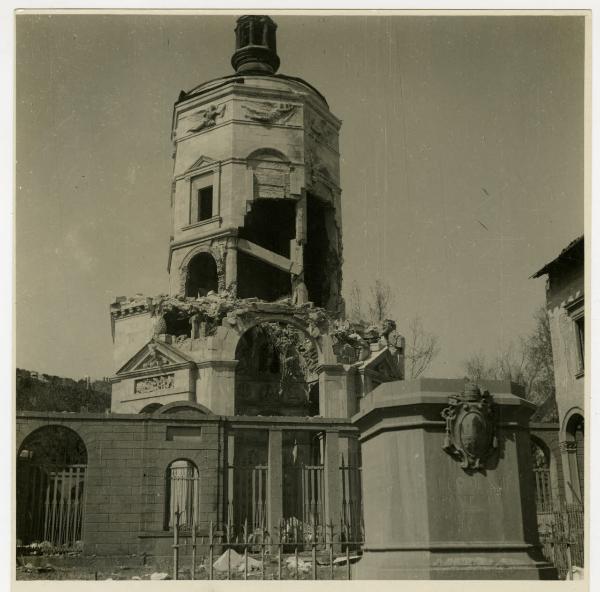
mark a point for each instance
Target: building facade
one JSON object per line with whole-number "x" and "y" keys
{"x": 565, "y": 299}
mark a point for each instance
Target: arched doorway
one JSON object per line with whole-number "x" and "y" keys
{"x": 51, "y": 469}
{"x": 201, "y": 275}
{"x": 575, "y": 434}
{"x": 276, "y": 375}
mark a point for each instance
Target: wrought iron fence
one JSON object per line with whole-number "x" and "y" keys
{"x": 248, "y": 502}
{"x": 326, "y": 554}
{"x": 543, "y": 490}
{"x": 561, "y": 530}
{"x": 52, "y": 510}
{"x": 352, "y": 507}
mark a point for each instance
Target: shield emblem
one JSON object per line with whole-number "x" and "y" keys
{"x": 474, "y": 434}
{"x": 469, "y": 427}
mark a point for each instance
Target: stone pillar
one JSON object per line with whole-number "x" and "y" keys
{"x": 568, "y": 451}
{"x": 331, "y": 479}
{"x": 275, "y": 484}
{"x": 231, "y": 265}
{"x": 215, "y": 386}
{"x": 333, "y": 390}
{"x": 448, "y": 497}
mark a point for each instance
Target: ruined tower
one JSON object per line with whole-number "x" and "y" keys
{"x": 252, "y": 336}
{"x": 256, "y": 196}
{"x": 256, "y": 237}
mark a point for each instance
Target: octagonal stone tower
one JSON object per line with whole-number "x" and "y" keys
{"x": 255, "y": 239}
{"x": 255, "y": 195}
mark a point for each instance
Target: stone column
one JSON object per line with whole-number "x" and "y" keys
{"x": 430, "y": 510}
{"x": 331, "y": 478}
{"x": 275, "y": 484}
{"x": 231, "y": 264}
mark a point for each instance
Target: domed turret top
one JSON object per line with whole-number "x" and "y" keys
{"x": 255, "y": 45}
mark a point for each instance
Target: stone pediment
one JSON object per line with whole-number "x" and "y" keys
{"x": 154, "y": 356}
{"x": 203, "y": 161}
{"x": 383, "y": 366}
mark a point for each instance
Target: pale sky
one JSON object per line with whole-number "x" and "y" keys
{"x": 462, "y": 165}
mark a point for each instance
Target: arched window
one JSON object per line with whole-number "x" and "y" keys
{"x": 540, "y": 457}
{"x": 201, "y": 275}
{"x": 575, "y": 438}
{"x": 182, "y": 494}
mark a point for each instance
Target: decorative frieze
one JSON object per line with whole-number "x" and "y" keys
{"x": 208, "y": 117}
{"x": 154, "y": 383}
{"x": 154, "y": 359}
{"x": 269, "y": 113}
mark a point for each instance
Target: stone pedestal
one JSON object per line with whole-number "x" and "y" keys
{"x": 427, "y": 517}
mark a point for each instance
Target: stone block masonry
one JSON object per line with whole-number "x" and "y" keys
{"x": 125, "y": 486}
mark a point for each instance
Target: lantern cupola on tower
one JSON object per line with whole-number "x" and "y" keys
{"x": 255, "y": 45}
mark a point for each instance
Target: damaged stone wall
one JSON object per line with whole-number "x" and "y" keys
{"x": 277, "y": 368}
{"x": 322, "y": 256}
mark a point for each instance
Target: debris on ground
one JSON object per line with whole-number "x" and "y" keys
{"x": 302, "y": 566}
{"x": 342, "y": 560}
{"x": 222, "y": 563}
{"x": 159, "y": 576}
{"x": 253, "y": 564}
{"x": 577, "y": 573}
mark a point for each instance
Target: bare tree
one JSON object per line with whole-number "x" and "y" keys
{"x": 527, "y": 362}
{"x": 421, "y": 348}
{"x": 380, "y": 302}
{"x": 355, "y": 302}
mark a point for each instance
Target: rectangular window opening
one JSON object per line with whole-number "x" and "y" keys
{"x": 205, "y": 203}
{"x": 580, "y": 328}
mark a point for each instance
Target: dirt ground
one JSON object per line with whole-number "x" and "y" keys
{"x": 53, "y": 568}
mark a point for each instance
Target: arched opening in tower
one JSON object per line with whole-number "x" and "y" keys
{"x": 276, "y": 372}
{"x": 321, "y": 254}
{"x": 201, "y": 275}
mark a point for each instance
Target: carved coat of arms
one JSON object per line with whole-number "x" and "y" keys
{"x": 470, "y": 430}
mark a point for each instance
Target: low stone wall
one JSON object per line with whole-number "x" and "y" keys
{"x": 125, "y": 482}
